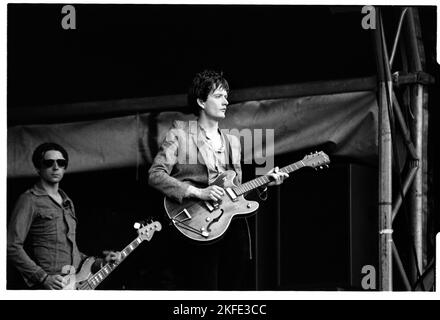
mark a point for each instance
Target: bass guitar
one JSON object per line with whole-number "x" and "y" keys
{"x": 205, "y": 221}
{"x": 85, "y": 280}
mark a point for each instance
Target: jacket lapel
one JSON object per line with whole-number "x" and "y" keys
{"x": 199, "y": 143}
{"x": 232, "y": 151}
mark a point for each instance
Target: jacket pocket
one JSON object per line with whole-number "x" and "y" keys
{"x": 45, "y": 225}
{"x": 48, "y": 214}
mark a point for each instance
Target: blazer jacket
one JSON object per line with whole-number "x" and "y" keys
{"x": 180, "y": 161}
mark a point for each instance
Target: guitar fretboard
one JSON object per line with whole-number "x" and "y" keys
{"x": 103, "y": 273}
{"x": 263, "y": 180}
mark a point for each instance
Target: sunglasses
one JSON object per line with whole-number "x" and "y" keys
{"x": 48, "y": 163}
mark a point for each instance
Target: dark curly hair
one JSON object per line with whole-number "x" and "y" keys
{"x": 40, "y": 151}
{"x": 202, "y": 85}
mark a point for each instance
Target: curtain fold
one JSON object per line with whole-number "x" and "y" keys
{"x": 347, "y": 121}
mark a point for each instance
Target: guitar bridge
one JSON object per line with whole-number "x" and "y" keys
{"x": 211, "y": 207}
{"x": 186, "y": 214}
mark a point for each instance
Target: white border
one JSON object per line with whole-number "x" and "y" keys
{"x": 175, "y": 295}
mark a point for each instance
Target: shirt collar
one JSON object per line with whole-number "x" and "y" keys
{"x": 38, "y": 190}
{"x": 201, "y": 129}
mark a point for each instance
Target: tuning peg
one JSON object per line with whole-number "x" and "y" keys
{"x": 139, "y": 224}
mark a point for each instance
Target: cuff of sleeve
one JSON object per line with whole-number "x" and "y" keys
{"x": 37, "y": 278}
{"x": 98, "y": 264}
{"x": 187, "y": 193}
{"x": 44, "y": 279}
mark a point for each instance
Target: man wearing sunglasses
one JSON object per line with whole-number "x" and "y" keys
{"x": 42, "y": 230}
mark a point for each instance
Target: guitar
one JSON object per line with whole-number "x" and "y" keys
{"x": 85, "y": 280}
{"x": 205, "y": 221}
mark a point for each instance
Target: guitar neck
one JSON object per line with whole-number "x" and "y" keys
{"x": 103, "y": 273}
{"x": 264, "y": 180}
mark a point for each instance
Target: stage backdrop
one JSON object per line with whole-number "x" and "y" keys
{"x": 345, "y": 123}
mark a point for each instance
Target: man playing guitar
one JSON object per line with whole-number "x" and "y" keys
{"x": 42, "y": 230}
{"x": 175, "y": 173}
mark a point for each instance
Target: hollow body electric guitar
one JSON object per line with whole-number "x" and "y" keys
{"x": 205, "y": 221}
{"x": 85, "y": 280}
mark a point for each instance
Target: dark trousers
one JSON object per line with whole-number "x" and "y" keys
{"x": 222, "y": 265}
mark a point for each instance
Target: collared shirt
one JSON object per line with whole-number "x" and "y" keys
{"x": 42, "y": 236}
{"x": 216, "y": 160}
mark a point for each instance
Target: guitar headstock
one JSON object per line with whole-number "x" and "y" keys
{"x": 146, "y": 232}
{"x": 316, "y": 160}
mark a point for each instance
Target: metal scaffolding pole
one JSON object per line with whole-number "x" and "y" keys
{"x": 406, "y": 185}
{"x": 385, "y": 165}
{"x": 405, "y": 132}
{"x": 385, "y": 195}
{"x": 417, "y": 187}
{"x": 417, "y": 194}
{"x": 401, "y": 268}
{"x": 396, "y": 39}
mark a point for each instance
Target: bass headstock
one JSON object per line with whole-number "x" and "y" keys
{"x": 147, "y": 231}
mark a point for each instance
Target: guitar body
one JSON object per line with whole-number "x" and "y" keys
{"x": 206, "y": 221}
{"x": 79, "y": 280}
